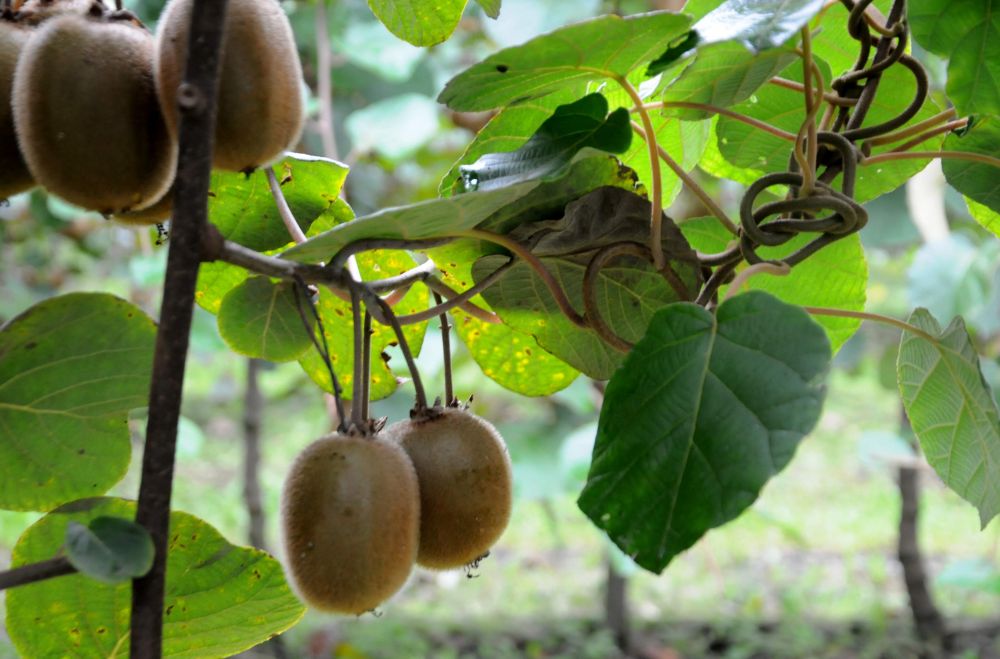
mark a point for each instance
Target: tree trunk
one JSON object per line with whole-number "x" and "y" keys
{"x": 616, "y": 608}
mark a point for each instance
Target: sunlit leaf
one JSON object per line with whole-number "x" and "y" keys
{"x": 704, "y": 411}
{"x": 952, "y": 410}
{"x": 987, "y": 217}
{"x": 757, "y": 25}
{"x": 220, "y": 599}
{"x": 420, "y": 22}
{"x": 71, "y": 368}
{"x": 242, "y": 208}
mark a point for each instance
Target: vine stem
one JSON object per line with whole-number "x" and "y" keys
{"x": 287, "y": 217}
{"x": 807, "y": 132}
{"x": 915, "y": 129}
{"x": 449, "y": 394}
{"x": 196, "y": 98}
{"x": 952, "y": 155}
{"x": 385, "y": 315}
{"x": 739, "y": 281}
{"x": 357, "y": 395}
{"x": 829, "y": 97}
{"x": 949, "y": 127}
{"x": 864, "y": 315}
{"x": 750, "y": 121}
{"x": 519, "y": 250}
{"x": 48, "y": 569}
{"x": 692, "y": 185}
{"x": 366, "y": 365}
{"x": 656, "y": 213}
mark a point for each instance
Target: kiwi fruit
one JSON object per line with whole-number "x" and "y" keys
{"x": 86, "y": 114}
{"x": 260, "y": 111}
{"x": 14, "y": 174}
{"x": 33, "y": 12}
{"x": 158, "y": 213}
{"x": 465, "y": 484}
{"x": 350, "y": 514}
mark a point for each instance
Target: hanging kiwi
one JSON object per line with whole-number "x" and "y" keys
{"x": 33, "y": 12}
{"x": 465, "y": 483}
{"x": 158, "y": 213}
{"x": 86, "y": 113}
{"x": 260, "y": 111}
{"x": 350, "y": 518}
{"x": 14, "y": 174}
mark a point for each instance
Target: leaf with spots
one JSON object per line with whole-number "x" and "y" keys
{"x": 71, "y": 368}
{"x": 220, "y": 599}
{"x": 704, "y": 411}
{"x": 338, "y": 326}
{"x": 419, "y": 22}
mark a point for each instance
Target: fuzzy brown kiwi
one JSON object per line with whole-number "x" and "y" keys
{"x": 34, "y": 12}
{"x": 14, "y": 174}
{"x": 350, "y": 515}
{"x": 86, "y": 114}
{"x": 465, "y": 484}
{"x": 260, "y": 111}
{"x": 158, "y": 213}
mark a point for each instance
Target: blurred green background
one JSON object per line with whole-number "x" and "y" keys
{"x": 809, "y": 570}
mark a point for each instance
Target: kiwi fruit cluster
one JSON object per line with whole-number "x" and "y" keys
{"x": 359, "y": 511}
{"x": 88, "y": 107}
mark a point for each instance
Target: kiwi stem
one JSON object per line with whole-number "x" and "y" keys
{"x": 294, "y": 230}
{"x": 456, "y": 299}
{"x": 382, "y": 312}
{"x": 366, "y": 365}
{"x": 878, "y": 318}
{"x": 196, "y": 98}
{"x": 750, "y": 121}
{"x": 301, "y": 290}
{"x": 449, "y": 396}
{"x": 357, "y": 415}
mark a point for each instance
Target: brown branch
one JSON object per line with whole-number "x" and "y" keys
{"x": 253, "y": 404}
{"x": 196, "y": 98}
{"x": 20, "y": 576}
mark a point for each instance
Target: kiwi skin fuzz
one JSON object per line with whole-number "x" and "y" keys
{"x": 14, "y": 174}
{"x": 87, "y": 117}
{"x": 260, "y": 111}
{"x": 350, "y": 520}
{"x": 465, "y": 485}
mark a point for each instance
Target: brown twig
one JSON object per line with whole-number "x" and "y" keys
{"x": 20, "y": 576}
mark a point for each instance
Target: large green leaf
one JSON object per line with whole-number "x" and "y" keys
{"x": 605, "y": 47}
{"x": 508, "y": 130}
{"x": 220, "y": 599}
{"x": 835, "y": 277}
{"x": 968, "y": 32}
{"x": 989, "y": 218}
{"x": 574, "y": 126}
{"x": 420, "y": 22}
{"x": 338, "y": 327}
{"x": 242, "y": 208}
{"x": 977, "y": 181}
{"x": 261, "y": 318}
{"x": 71, "y": 368}
{"x": 704, "y": 411}
{"x": 952, "y": 410}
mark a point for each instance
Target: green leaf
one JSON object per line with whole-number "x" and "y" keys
{"x": 508, "y": 130}
{"x": 757, "y": 25}
{"x": 714, "y": 163}
{"x": 703, "y": 412}
{"x": 723, "y": 74}
{"x": 490, "y": 7}
{"x": 71, "y": 368}
{"x": 952, "y": 410}
{"x": 220, "y": 599}
{"x": 513, "y": 360}
{"x": 109, "y": 549}
{"x": 242, "y": 208}
{"x": 395, "y": 128}
{"x": 338, "y": 327}
{"x": 419, "y": 22}
{"x": 835, "y": 277}
{"x": 967, "y": 32}
{"x": 977, "y": 181}
{"x": 574, "y": 126}
{"x": 605, "y": 47}
{"x": 629, "y": 291}
{"x": 987, "y": 217}
{"x": 260, "y": 318}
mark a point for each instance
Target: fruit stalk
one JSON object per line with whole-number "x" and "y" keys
{"x": 197, "y": 99}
